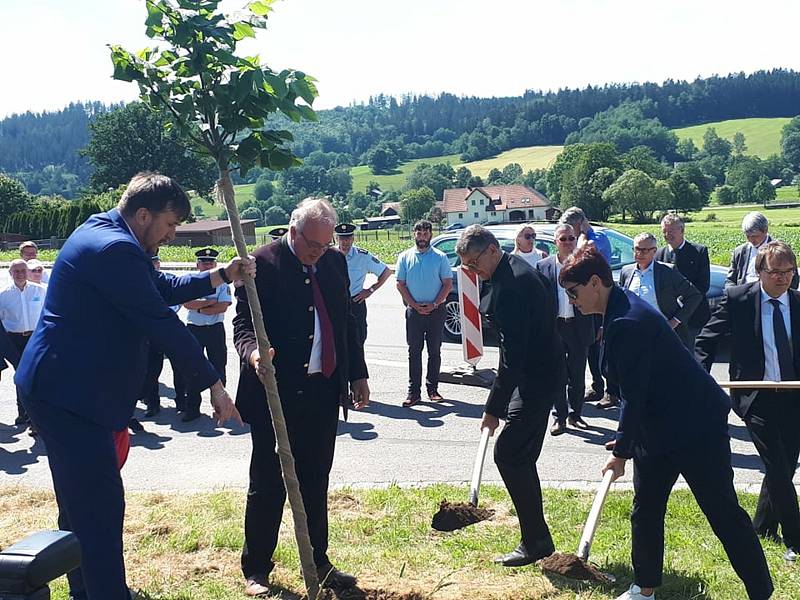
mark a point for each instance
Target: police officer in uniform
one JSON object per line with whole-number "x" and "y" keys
{"x": 205, "y": 320}
{"x": 359, "y": 263}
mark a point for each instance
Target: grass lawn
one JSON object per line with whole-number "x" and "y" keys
{"x": 761, "y": 136}
{"x": 186, "y": 546}
{"x": 362, "y": 175}
{"x": 529, "y": 158}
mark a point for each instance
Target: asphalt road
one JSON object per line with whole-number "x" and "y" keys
{"x": 383, "y": 444}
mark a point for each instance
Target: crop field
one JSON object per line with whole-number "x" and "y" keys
{"x": 761, "y": 136}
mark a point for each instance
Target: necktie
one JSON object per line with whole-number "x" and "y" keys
{"x": 782, "y": 342}
{"x": 325, "y": 326}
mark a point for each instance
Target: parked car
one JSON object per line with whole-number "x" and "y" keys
{"x": 621, "y": 254}
{"x": 453, "y": 227}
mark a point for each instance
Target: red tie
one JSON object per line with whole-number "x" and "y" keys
{"x": 326, "y": 329}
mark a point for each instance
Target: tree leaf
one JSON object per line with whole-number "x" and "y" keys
{"x": 261, "y": 8}
{"x": 242, "y": 30}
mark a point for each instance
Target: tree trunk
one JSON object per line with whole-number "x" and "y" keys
{"x": 225, "y": 193}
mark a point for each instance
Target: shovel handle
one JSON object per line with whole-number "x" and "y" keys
{"x": 594, "y": 515}
{"x": 477, "y": 468}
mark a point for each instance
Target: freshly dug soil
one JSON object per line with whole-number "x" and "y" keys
{"x": 452, "y": 516}
{"x": 357, "y": 593}
{"x": 570, "y": 565}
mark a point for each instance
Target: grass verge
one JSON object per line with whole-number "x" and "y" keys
{"x": 186, "y": 546}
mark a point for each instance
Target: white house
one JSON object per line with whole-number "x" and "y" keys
{"x": 501, "y": 203}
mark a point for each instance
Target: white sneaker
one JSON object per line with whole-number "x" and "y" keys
{"x": 635, "y": 593}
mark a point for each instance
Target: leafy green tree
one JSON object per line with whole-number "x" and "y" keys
{"x": 512, "y": 173}
{"x": 435, "y": 215}
{"x": 223, "y": 104}
{"x": 415, "y": 204}
{"x": 693, "y": 173}
{"x": 437, "y": 177}
{"x": 275, "y": 215}
{"x": 13, "y": 197}
{"x": 739, "y": 145}
{"x": 713, "y": 145}
{"x": 135, "y": 138}
{"x": 763, "y": 191}
{"x": 633, "y": 193}
{"x": 686, "y": 196}
{"x": 642, "y": 158}
{"x": 463, "y": 176}
{"x": 494, "y": 177}
{"x": 382, "y": 160}
{"x": 687, "y": 149}
{"x": 743, "y": 174}
{"x": 664, "y": 199}
{"x": 198, "y": 211}
{"x": 570, "y": 180}
{"x": 790, "y": 147}
{"x": 263, "y": 189}
{"x": 726, "y": 195}
{"x": 253, "y": 213}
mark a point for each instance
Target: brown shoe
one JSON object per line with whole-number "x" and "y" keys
{"x": 411, "y": 401}
{"x": 558, "y": 427}
{"x": 577, "y": 422}
{"x": 257, "y": 586}
{"x": 593, "y": 396}
{"x": 608, "y": 401}
{"x": 435, "y": 396}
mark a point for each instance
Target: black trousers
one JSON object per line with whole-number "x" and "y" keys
{"x": 707, "y": 469}
{"x": 212, "y": 339}
{"x": 570, "y": 403}
{"x": 311, "y": 419}
{"x": 424, "y": 330}
{"x": 515, "y": 453}
{"x": 179, "y": 385}
{"x": 155, "y": 364}
{"x": 360, "y": 313}
{"x": 773, "y": 425}
{"x": 19, "y": 341}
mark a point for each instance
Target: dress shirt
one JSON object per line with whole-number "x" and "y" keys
{"x": 20, "y": 309}
{"x": 359, "y": 263}
{"x": 772, "y": 369}
{"x": 750, "y": 271}
{"x": 643, "y": 284}
{"x": 315, "y": 360}
{"x": 565, "y": 309}
{"x": 222, "y": 294}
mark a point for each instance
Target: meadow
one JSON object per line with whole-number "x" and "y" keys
{"x": 761, "y": 136}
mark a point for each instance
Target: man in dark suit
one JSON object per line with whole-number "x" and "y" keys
{"x": 743, "y": 259}
{"x": 303, "y": 287}
{"x": 661, "y": 286}
{"x": 692, "y": 262}
{"x": 8, "y": 352}
{"x": 83, "y": 369}
{"x": 763, "y": 320}
{"x": 530, "y": 377}
{"x": 674, "y": 421}
{"x": 576, "y": 332}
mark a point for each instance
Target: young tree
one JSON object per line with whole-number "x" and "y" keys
{"x": 726, "y": 195}
{"x": 222, "y": 103}
{"x": 13, "y": 196}
{"x": 633, "y": 193}
{"x": 739, "y": 145}
{"x": 415, "y": 204}
{"x": 763, "y": 191}
{"x": 263, "y": 189}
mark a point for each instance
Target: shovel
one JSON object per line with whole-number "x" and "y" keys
{"x": 452, "y": 516}
{"x": 577, "y": 566}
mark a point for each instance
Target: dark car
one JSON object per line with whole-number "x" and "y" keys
{"x": 621, "y": 254}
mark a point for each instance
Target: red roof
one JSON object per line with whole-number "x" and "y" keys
{"x": 501, "y": 196}
{"x": 208, "y": 225}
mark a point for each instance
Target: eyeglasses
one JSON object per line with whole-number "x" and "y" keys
{"x": 39, "y": 270}
{"x": 529, "y": 236}
{"x": 316, "y": 245}
{"x": 567, "y": 238}
{"x": 780, "y": 272}
{"x": 643, "y": 250}
{"x": 571, "y": 293}
{"x": 473, "y": 264}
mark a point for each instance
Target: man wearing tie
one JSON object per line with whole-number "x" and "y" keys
{"x": 304, "y": 292}
{"x": 763, "y": 320}
{"x": 743, "y": 260}
{"x": 692, "y": 262}
{"x": 661, "y": 286}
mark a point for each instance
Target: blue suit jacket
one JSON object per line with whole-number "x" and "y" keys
{"x": 104, "y": 302}
{"x": 669, "y": 402}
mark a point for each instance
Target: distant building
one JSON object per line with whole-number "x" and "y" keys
{"x": 380, "y": 222}
{"x": 776, "y": 183}
{"x": 212, "y": 233}
{"x": 495, "y": 203}
{"x": 390, "y": 209}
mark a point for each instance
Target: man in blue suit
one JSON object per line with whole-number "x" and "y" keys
{"x": 669, "y": 425}
{"x": 84, "y": 367}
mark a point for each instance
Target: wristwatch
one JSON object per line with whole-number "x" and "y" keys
{"x": 224, "y": 275}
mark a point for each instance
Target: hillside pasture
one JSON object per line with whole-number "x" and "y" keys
{"x": 761, "y": 136}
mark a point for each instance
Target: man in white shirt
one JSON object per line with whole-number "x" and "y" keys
{"x": 30, "y": 251}
{"x": 20, "y": 306}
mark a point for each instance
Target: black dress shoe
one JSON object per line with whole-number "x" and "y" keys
{"x": 608, "y": 401}
{"x": 593, "y": 396}
{"x": 152, "y": 411}
{"x": 135, "y": 426}
{"x": 577, "y": 422}
{"x": 522, "y": 556}
{"x": 791, "y": 555}
{"x": 332, "y": 578}
{"x": 21, "y": 420}
{"x": 190, "y": 415}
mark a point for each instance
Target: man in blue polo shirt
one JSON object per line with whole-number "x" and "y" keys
{"x": 424, "y": 279}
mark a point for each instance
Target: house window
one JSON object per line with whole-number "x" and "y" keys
{"x": 476, "y": 215}
{"x": 494, "y": 214}
{"x": 473, "y": 202}
{"x": 460, "y": 215}
{"x": 481, "y": 201}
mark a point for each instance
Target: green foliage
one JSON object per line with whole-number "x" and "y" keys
{"x": 743, "y": 174}
{"x": 686, "y": 195}
{"x": 633, "y": 193}
{"x": 761, "y": 134}
{"x": 726, "y": 195}
{"x": 642, "y": 158}
{"x": 221, "y": 101}
{"x": 264, "y": 189}
{"x": 739, "y": 144}
{"x": 763, "y": 191}
{"x": 13, "y": 196}
{"x": 495, "y": 177}
{"x": 790, "y": 142}
{"x": 714, "y": 145}
{"x": 382, "y": 159}
{"x": 574, "y": 179}
{"x": 275, "y": 215}
{"x": 253, "y": 213}
{"x": 438, "y": 178}
{"x": 415, "y": 204}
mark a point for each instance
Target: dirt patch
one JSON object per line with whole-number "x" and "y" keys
{"x": 357, "y": 593}
{"x": 452, "y": 516}
{"x": 570, "y": 565}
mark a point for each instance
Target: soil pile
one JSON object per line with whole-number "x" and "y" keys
{"x": 572, "y": 566}
{"x": 452, "y": 516}
{"x": 357, "y": 593}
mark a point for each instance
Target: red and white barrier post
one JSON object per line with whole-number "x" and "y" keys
{"x": 471, "y": 329}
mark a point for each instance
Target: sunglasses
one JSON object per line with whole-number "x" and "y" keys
{"x": 643, "y": 250}
{"x": 571, "y": 293}
{"x": 568, "y": 238}
{"x": 529, "y": 236}
{"x": 39, "y": 270}
{"x": 473, "y": 264}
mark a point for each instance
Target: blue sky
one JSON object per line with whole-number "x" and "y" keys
{"x": 54, "y": 51}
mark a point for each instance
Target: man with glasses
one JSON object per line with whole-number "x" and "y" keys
{"x": 576, "y": 332}
{"x": 674, "y": 421}
{"x": 424, "y": 279}
{"x": 30, "y": 251}
{"x": 36, "y": 271}
{"x": 661, "y": 286}
{"x": 530, "y": 377}
{"x": 763, "y": 321}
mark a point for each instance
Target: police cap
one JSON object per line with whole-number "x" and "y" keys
{"x": 344, "y": 229}
{"x": 278, "y": 232}
{"x": 207, "y": 254}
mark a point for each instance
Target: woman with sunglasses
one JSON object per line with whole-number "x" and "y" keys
{"x": 524, "y": 246}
